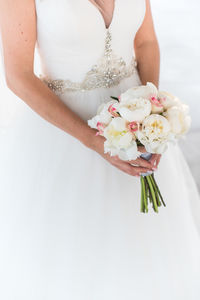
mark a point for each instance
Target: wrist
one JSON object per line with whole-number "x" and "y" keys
{"x": 90, "y": 138}
{"x": 95, "y": 143}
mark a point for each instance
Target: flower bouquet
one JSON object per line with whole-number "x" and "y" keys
{"x": 142, "y": 116}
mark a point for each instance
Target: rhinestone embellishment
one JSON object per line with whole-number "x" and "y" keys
{"x": 108, "y": 72}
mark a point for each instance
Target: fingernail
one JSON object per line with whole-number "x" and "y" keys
{"x": 154, "y": 168}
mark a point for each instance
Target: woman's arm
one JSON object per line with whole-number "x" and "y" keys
{"x": 147, "y": 50}
{"x": 148, "y": 55}
{"x": 18, "y": 30}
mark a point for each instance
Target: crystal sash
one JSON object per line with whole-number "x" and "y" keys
{"x": 108, "y": 72}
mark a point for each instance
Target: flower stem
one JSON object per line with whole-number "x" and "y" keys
{"x": 144, "y": 194}
{"x": 147, "y": 189}
{"x": 152, "y": 193}
{"x": 158, "y": 190}
{"x": 142, "y": 202}
{"x": 155, "y": 190}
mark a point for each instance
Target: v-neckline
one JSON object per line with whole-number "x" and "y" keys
{"x": 101, "y": 16}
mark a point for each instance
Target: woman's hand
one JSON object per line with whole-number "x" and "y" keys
{"x": 133, "y": 167}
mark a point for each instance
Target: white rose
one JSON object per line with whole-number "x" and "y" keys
{"x": 168, "y": 100}
{"x": 103, "y": 115}
{"x": 179, "y": 119}
{"x": 135, "y": 109}
{"x": 155, "y": 133}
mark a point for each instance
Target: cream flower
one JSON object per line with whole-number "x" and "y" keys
{"x": 130, "y": 153}
{"x": 142, "y": 91}
{"x": 178, "y": 119}
{"x": 104, "y": 107}
{"x": 156, "y": 105}
{"x": 117, "y": 133}
{"x": 168, "y": 100}
{"x": 155, "y": 133}
{"x": 119, "y": 140}
{"x": 135, "y": 109}
{"x": 137, "y": 103}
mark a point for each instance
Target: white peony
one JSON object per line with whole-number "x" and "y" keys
{"x": 130, "y": 153}
{"x": 135, "y": 109}
{"x": 155, "y": 133}
{"x": 137, "y": 103}
{"x": 117, "y": 133}
{"x": 178, "y": 119}
{"x": 119, "y": 140}
{"x": 103, "y": 115}
{"x": 142, "y": 91}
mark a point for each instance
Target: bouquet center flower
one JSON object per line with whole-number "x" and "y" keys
{"x": 157, "y": 125}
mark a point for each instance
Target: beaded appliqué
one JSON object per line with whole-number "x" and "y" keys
{"x": 108, "y": 72}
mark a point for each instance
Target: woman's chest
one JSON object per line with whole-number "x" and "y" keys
{"x": 74, "y": 22}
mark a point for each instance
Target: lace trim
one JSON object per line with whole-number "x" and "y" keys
{"x": 108, "y": 72}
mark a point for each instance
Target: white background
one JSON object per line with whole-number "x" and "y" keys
{"x": 177, "y": 25}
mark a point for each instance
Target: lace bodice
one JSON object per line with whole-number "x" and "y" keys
{"x": 77, "y": 51}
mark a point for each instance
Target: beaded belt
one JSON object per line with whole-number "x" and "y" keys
{"x": 108, "y": 72}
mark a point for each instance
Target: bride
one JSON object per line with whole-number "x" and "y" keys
{"x": 70, "y": 221}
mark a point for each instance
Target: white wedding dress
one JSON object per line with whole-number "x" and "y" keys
{"x": 70, "y": 222}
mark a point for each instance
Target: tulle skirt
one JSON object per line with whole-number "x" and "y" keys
{"x": 70, "y": 222}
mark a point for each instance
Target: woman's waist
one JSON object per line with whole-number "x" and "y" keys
{"x": 105, "y": 73}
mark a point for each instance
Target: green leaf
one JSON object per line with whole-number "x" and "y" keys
{"x": 115, "y": 98}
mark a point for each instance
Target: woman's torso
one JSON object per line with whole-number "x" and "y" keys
{"x": 71, "y": 34}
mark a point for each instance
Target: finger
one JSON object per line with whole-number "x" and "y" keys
{"x": 142, "y": 149}
{"x": 153, "y": 158}
{"x": 126, "y": 168}
{"x": 158, "y": 160}
{"x": 133, "y": 171}
{"x": 141, "y": 163}
{"x": 139, "y": 170}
